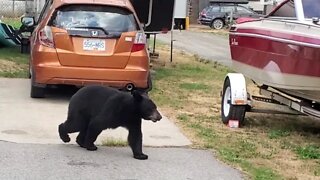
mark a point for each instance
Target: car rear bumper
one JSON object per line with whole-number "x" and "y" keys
{"x": 204, "y": 21}
{"x": 119, "y": 78}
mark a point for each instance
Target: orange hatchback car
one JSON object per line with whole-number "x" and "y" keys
{"x": 84, "y": 42}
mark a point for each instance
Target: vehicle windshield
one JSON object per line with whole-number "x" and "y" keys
{"x": 111, "y": 19}
{"x": 311, "y": 8}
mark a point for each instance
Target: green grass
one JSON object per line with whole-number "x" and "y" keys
{"x": 18, "y": 68}
{"x": 14, "y": 55}
{"x": 15, "y": 22}
{"x": 256, "y": 172}
{"x": 308, "y": 152}
{"x": 114, "y": 142}
{"x": 16, "y": 74}
{"x": 175, "y": 83}
{"x": 193, "y": 86}
{"x": 188, "y": 90}
{"x": 183, "y": 117}
{"x": 278, "y": 133}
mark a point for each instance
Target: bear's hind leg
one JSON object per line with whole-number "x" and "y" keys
{"x": 135, "y": 142}
{"x": 94, "y": 129}
{"x": 63, "y": 133}
{"x": 81, "y": 137}
{"x": 71, "y": 125}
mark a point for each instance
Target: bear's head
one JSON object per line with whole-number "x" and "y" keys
{"x": 146, "y": 107}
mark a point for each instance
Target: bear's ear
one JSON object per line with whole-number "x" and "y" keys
{"x": 137, "y": 95}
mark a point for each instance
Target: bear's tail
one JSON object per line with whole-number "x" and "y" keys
{"x": 63, "y": 134}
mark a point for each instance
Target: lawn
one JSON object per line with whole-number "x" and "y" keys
{"x": 269, "y": 146}
{"x": 15, "y": 22}
{"x": 13, "y": 64}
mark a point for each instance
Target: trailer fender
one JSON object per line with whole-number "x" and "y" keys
{"x": 238, "y": 89}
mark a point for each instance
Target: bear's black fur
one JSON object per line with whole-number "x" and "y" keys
{"x": 96, "y": 108}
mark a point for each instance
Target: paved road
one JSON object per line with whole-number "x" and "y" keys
{"x": 207, "y": 45}
{"x": 31, "y": 161}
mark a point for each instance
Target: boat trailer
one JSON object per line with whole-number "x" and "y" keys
{"x": 236, "y": 101}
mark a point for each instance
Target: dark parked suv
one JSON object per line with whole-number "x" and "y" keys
{"x": 215, "y": 15}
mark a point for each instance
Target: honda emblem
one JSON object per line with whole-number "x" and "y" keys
{"x": 94, "y": 33}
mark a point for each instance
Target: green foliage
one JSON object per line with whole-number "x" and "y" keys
{"x": 14, "y": 55}
{"x": 308, "y": 152}
{"x": 194, "y": 86}
{"x": 278, "y": 133}
{"x": 114, "y": 142}
{"x": 15, "y": 22}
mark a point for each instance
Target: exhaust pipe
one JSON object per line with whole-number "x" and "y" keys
{"x": 129, "y": 87}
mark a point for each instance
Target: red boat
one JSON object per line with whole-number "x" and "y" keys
{"x": 281, "y": 54}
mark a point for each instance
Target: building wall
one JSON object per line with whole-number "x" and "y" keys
{"x": 194, "y": 11}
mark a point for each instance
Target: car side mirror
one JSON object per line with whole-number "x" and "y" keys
{"x": 28, "y": 21}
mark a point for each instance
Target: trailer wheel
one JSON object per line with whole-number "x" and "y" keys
{"x": 229, "y": 111}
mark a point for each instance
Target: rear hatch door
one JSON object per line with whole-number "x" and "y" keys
{"x": 93, "y": 36}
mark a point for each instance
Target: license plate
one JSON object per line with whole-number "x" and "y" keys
{"x": 94, "y": 45}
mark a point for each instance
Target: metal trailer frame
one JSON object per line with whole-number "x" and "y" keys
{"x": 233, "y": 101}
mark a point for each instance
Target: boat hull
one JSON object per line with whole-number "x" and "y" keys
{"x": 283, "y": 55}
{"x": 8, "y": 37}
{"x": 306, "y": 87}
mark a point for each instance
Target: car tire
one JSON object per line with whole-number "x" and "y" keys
{"x": 217, "y": 24}
{"x": 150, "y": 85}
{"x": 229, "y": 111}
{"x": 36, "y": 91}
{"x": 29, "y": 72}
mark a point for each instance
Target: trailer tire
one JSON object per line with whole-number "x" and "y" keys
{"x": 228, "y": 110}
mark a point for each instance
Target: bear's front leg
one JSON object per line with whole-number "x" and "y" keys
{"x": 135, "y": 142}
{"x": 93, "y": 131}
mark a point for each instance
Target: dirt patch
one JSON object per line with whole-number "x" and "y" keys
{"x": 207, "y": 29}
{"x": 9, "y": 66}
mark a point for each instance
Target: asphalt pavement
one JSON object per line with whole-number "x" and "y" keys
{"x": 206, "y": 45}
{"x": 32, "y": 161}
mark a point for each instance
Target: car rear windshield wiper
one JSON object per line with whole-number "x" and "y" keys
{"x": 92, "y": 27}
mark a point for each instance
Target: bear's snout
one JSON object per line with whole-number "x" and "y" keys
{"x": 155, "y": 116}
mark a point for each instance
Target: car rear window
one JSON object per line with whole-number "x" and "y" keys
{"x": 111, "y": 19}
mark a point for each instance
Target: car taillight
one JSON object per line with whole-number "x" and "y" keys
{"x": 46, "y": 37}
{"x": 203, "y": 13}
{"x": 139, "y": 42}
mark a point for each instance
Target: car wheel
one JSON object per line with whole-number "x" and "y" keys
{"x": 29, "y": 72}
{"x": 217, "y": 24}
{"x": 229, "y": 111}
{"x": 35, "y": 91}
{"x": 149, "y": 83}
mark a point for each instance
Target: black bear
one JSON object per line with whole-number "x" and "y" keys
{"x": 95, "y": 108}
